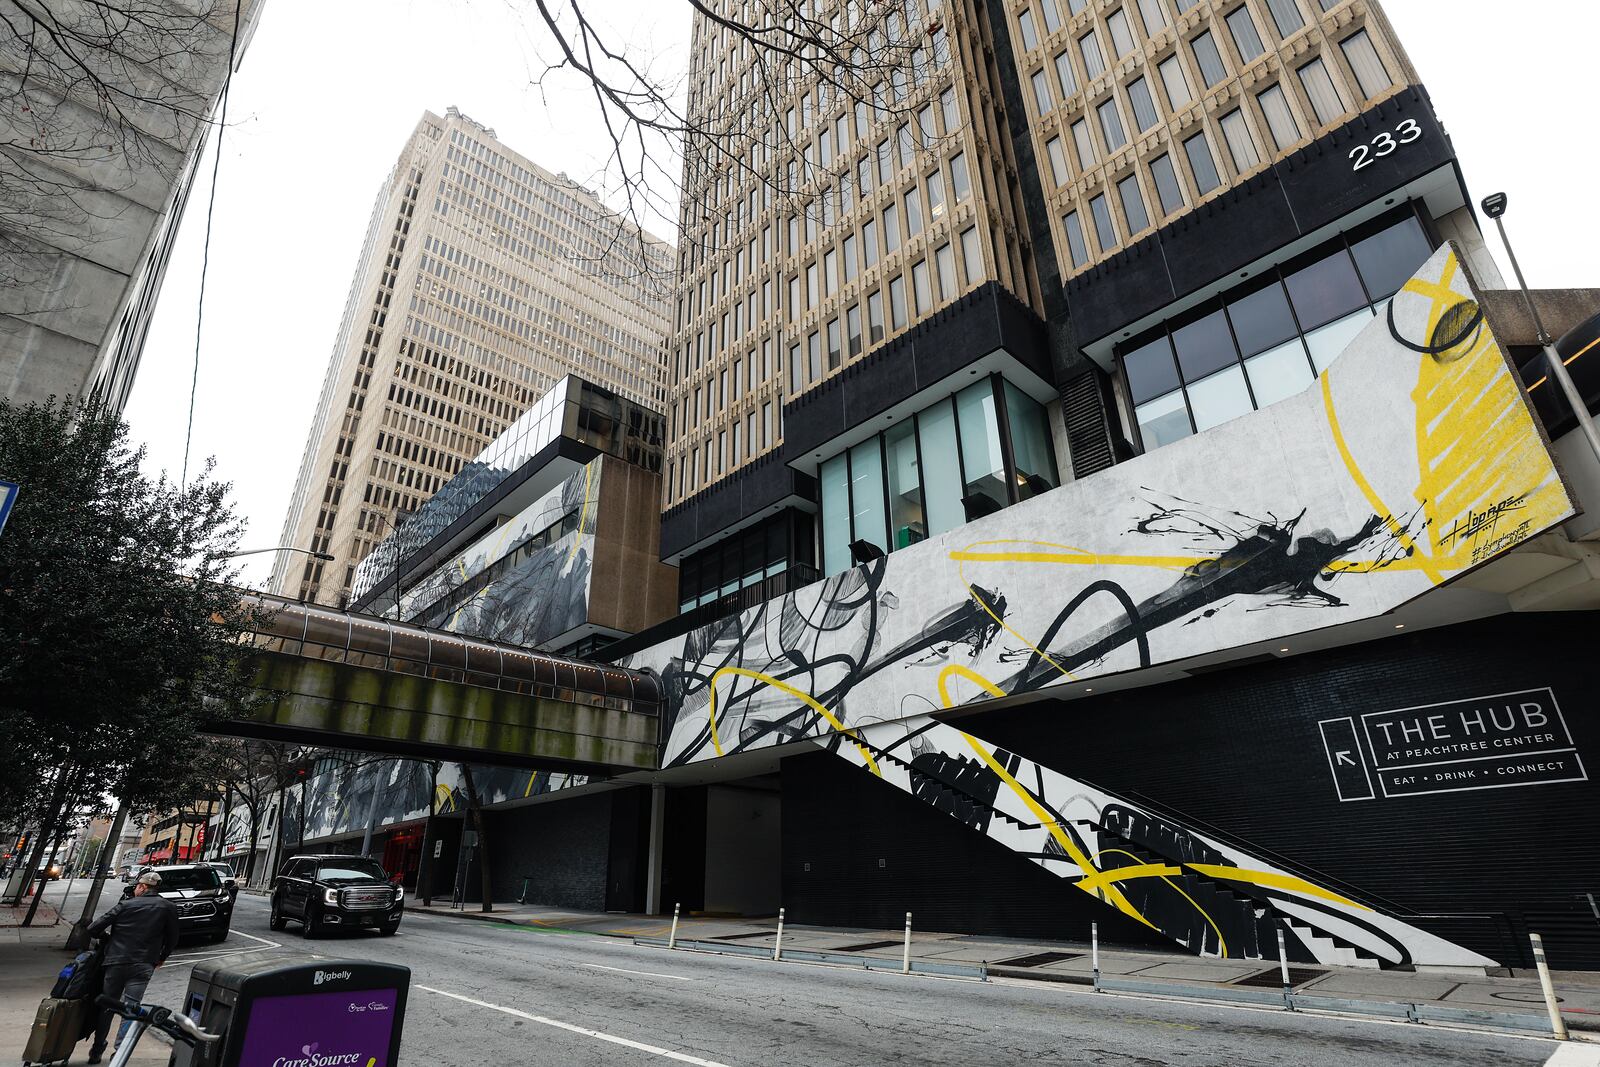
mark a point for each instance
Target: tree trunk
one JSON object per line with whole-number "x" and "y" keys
{"x": 476, "y": 809}
{"x": 33, "y": 905}
{"x": 425, "y": 861}
{"x": 276, "y": 851}
{"x": 47, "y": 825}
{"x": 255, "y": 839}
{"x": 78, "y": 939}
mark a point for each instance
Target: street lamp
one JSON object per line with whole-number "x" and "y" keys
{"x": 1494, "y": 205}
{"x": 324, "y": 556}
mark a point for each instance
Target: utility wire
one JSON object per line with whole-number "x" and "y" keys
{"x": 205, "y": 255}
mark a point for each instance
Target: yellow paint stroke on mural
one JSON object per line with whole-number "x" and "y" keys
{"x": 799, "y": 694}
{"x": 1162, "y": 871}
{"x": 577, "y": 537}
{"x": 1093, "y": 882}
{"x": 1273, "y": 880}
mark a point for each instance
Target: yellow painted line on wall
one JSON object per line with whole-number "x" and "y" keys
{"x": 799, "y": 694}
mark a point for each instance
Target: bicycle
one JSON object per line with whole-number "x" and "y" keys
{"x": 175, "y": 1025}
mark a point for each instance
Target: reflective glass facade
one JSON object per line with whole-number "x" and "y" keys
{"x": 963, "y": 457}
{"x": 1269, "y": 338}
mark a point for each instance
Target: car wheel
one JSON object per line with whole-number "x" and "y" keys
{"x": 218, "y": 935}
{"x": 308, "y": 924}
{"x": 390, "y": 930}
{"x": 276, "y": 921}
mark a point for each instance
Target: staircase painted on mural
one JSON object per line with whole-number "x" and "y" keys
{"x": 1215, "y": 898}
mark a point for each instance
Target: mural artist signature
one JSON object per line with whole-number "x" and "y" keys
{"x": 1478, "y": 523}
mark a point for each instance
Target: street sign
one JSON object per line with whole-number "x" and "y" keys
{"x": 438, "y": 848}
{"x": 8, "y": 496}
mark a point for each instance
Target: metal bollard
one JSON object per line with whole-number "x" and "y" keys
{"x": 1283, "y": 969}
{"x": 905, "y": 958}
{"x": 777, "y": 946}
{"x": 1558, "y": 1025}
{"x": 1094, "y": 953}
{"x": 672, "y": 938}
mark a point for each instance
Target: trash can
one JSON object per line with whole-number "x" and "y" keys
{"x": 296, "y": 1011}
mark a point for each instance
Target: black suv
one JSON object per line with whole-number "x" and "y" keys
{"x": 325, "y": 893}
{"x": 205, "y": 907}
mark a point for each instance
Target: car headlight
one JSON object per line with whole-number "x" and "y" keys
{"x": 399, "y": 893}
{"x": 330, "y": 896}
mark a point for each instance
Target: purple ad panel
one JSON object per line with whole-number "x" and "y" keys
{"x": 350, "y": 1029}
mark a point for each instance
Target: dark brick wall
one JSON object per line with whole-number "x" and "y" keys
{"x": 563, "y": 847}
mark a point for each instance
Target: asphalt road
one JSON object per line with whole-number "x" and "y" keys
{"x": 483, "y": 993}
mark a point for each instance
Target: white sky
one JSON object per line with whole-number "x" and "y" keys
{"x": 328, "y": 93}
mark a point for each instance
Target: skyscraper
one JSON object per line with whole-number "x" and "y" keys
{"x": 501, "y": 278}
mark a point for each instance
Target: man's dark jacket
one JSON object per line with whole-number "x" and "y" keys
{"x": 144, "y": 929}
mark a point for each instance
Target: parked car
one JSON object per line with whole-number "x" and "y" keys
{"x": 324, "y": 893}
{"x": 230, "y": 881}
{"x": 205, "y": 907}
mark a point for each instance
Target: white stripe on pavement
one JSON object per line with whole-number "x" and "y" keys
{"x": 682, "y": 1057}
{"x": 647, "y": 974}
{"x": 1572, "y": 1054}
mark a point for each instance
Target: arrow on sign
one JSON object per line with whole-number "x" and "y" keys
{"x": 1343, "y": 756}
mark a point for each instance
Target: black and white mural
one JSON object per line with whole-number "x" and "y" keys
{"x": 1411, "y": 459}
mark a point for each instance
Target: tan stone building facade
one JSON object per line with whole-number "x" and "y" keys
{"x": 483, "y": 280}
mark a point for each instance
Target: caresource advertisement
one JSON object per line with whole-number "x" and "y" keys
{"x": 350, "y": 1029}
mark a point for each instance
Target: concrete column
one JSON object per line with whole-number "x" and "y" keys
{"x": 658, "y": 811}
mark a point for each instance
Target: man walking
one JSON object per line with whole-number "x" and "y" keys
{"x": 143, "y": 932}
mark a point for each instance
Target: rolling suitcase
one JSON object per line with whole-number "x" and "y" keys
{"x": 56, "y": 1029}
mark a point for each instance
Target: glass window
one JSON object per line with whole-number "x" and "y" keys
{"x": 1094, "y": 63}
{"x": 980, "y": 443}
{"x": 1261, "y": 319}
{"x": 833, "y": 344}
{"x": 1153, "y": 16}
{"x": 1059, "y": 172}
{"x": 1133, "y": 211}
{"x": 869, "y": 241}
{"x": 848, "y": 250}
{"x": 941, "y": 470}
{"x": 1144, "y": 106}
{"x": 1030, "y": 443}
{"x": 1121, "y": 35}
{"x": 1075, "y": 243}
{"x": 1279, "y": 373}
{"x": 794, "y": 369}
{"x": 1167, "y": 185}
{"x": 1111, "y": 125}
{"x": 972, "y": 255}
{"x": 1387, "y": 259}
{"x": 1030, "y": 33}
{"x": 1245, "y": 37}
{"x": 891, "y": 229}
{"x": 1365, "y": 62}
{"x": 1052, "y": 15}
{"x": 936, "y": 195}
{"x": 897, "y": 302}
{"x": 944, "y": 261}
{"x": 913, "y": 211}
{"x": 875, "y": 318}
{"x": 1205, "y": 53}
{"x": 1175, "y": 82}
{"x": 1043, "y": 99}
{"x": 1163, "y": 420}
{"x": 952, "y": 115}
{"x": 1065, "y": 74}
{"x": 1326, "y": 343}
{"x": 1325, "y": 290}
{"x": 834, "y": 479}
{"x": 1084, "y": 142}
{"x": 1105, "y": 231}
{"x": 1319, "y": 89}
{"x": 921, "y": 287}
{"x": 1241, "y": 146}
{"x": 1150, "y": 370}
{"x": 852, "y": 331}
{"x": 866, "y": 493}
{"x": 1201, "y": 163}
{"x": 813, "y": 296}
{"x": 1218, "y": 398}
{"x": 814, "y": 354}
{"x": 960, "y": 181}
{"x": 1286, "y": 15}
{"x": 907, "y": 523}
{"x": 1203, "y": 346}
{"x": 1280, "y": 118}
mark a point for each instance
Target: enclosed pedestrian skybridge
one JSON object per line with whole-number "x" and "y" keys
{"x": 338, "y": 678}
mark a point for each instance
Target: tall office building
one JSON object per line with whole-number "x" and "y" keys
{"x": 94, "y": 180}
{"x": 502, "y": 278}
{"x": 1030, "y": 189}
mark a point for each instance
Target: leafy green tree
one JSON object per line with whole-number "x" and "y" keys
{"x": 119, "y": 628}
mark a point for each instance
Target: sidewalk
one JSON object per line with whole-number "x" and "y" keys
{"x": 30, "y": 959}
{"x": 1061, "y": 961}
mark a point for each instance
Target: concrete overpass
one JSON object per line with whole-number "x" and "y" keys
{"x": 346, "y": 680}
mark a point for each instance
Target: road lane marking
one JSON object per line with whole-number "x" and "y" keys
{"x": 1572, "y": 1054}
{"x": 647, "y": 974}
{"x": 682, "y": 1057}
{"x": 264, "y": 941}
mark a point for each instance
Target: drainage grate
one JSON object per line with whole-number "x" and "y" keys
{"x": 865, "y": 945}
{"x": 1273, "y": 979}
{"x": 740, "y": 937}
{"x": 1039, "y": 959}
